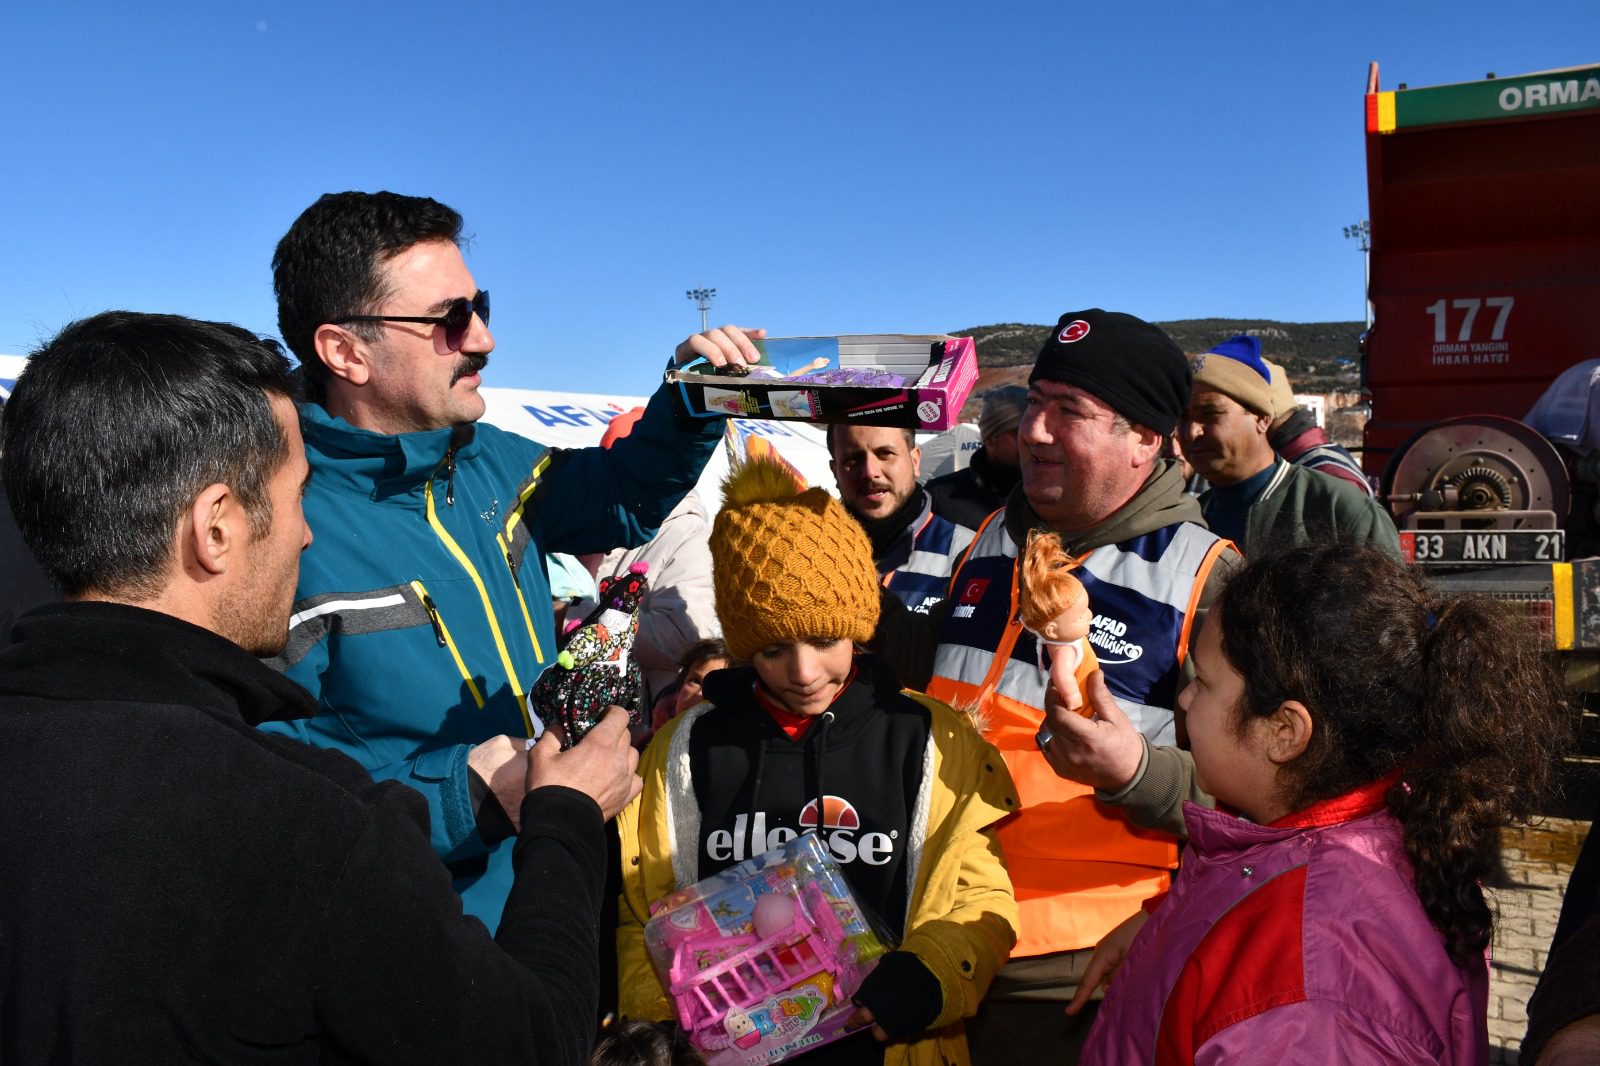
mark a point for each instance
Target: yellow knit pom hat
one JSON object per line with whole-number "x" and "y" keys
{"x": 788, "y": 565}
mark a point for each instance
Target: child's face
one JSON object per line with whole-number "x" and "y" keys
{"x": 805, "y": 675}
{"x": 689, "y": 691}
{"x": 1230, "y": 766}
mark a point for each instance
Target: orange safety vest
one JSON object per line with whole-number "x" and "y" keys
{"x": 1079, "y": 868}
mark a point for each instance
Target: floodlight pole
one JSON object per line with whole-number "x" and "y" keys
{"x": 702, "y": 299}
{"x": 1362, "y": 232}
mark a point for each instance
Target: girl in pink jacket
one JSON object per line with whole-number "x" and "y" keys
{"x": 1365, "y": 739}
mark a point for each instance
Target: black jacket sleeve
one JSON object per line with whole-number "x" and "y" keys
{"x": 403, "y": 976}
{"x": 902, "y": 994}
{"x": 1569, "y": 990}
{"x": 907, "y": 640}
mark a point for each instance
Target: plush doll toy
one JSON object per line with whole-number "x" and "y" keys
{"x": 595, "y": 670}
{"x": 1055, "y": 609}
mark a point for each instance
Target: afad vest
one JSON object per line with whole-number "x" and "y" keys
{"x": 1079, "y": 869}
{"x": 922, "y": 578}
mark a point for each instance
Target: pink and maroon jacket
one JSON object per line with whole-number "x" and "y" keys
{"x": 1302, "y": 941}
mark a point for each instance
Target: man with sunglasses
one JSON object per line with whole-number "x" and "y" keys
{"x": 422, "y": 614}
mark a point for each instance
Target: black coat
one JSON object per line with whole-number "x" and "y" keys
{"x": 178, "y": 886}
{"x": 23, "y": 585}
{"x": 970, "y": 495}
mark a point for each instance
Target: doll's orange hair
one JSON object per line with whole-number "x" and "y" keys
{"x": 1048, "y": 587}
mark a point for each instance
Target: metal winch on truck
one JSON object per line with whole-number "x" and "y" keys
{"x": 1484, "y": 288}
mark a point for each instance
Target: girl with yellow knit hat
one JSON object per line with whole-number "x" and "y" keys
{"x": 815, "y": 734}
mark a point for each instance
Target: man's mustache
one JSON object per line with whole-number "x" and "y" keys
{"x": 470, "y": 364}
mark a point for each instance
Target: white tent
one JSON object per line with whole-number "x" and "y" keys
{"x": 579, "y": 419}
{"x": 10, "y": 367}
{"x": 945, "y": 453}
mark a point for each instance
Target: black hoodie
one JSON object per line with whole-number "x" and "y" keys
{"x": 180, "y": 887}
{"x": 756, "y": 788}
{"x": 866, "y": 751}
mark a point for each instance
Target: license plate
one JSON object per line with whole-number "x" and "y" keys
{"x": 1475, "y": 547}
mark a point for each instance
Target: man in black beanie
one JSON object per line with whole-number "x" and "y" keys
{"x": 1106, "y": 391}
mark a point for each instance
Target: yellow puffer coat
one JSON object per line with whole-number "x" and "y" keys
{"x": 963, "y": 918}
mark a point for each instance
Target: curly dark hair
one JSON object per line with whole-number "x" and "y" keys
{"x": 1454, "y": 690}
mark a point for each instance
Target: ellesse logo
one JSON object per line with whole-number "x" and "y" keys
{"x": 839, "y": 831}
{"x": 837, "y": 813}
{"x": 1074, "y": 331}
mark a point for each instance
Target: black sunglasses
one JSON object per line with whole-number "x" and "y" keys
{"x": 457, "y": 320}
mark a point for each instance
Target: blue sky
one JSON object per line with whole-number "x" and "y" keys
{"x": 827, "y": 167}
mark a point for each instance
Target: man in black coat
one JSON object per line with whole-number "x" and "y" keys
{"x": 179, "y": 886}
{"x": 1564, "y": 1013}
{"x": 22, "y": 584}
{"x": 968, "y": 496}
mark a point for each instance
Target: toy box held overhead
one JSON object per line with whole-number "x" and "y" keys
{"x": 761, "y": 960}
{"x": 908, "y": 381}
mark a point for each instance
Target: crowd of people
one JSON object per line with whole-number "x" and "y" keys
{"x": 301, "y": 809}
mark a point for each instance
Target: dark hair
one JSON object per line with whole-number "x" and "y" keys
{"x": 699, "y": 652}
{"x": 1453, "y": 690}
{"x": 911, "y": 437}
{"x": 329, "y": 265}
{"x": 641, "y": 1043}
{"x": 116, "y": 425}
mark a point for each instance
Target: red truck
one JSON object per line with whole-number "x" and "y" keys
{"x": 1484, "y": 288}
{"x": 1484, "y": 284}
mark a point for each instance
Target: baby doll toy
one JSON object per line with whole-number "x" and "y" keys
{"x": 1055, "y": 609}
{"x": 595, "y": 670}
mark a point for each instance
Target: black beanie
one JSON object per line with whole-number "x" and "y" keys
{"x": 1125, "y": 361}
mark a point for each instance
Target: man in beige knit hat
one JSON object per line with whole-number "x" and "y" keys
{"x": 1256, "y": 499}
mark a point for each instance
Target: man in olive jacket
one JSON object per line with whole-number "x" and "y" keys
{"x": 1256, "y": 499}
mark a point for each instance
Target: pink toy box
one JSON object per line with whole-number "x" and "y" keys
{"x": 761, "y": 960}
{"x": 910, "y": 381}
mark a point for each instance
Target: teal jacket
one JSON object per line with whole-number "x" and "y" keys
{"x": 423, "y": 612}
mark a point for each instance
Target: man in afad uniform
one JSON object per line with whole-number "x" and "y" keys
{"x": 1104, "y": 393}
{"x": 876, "y": 469}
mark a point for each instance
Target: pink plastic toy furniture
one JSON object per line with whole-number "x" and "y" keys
{"x": 714, "y": 979}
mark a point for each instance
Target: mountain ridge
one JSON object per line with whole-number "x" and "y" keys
{"x": 1318, "y": 356}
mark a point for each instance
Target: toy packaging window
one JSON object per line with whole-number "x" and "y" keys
{"x": 761, "y": 960}
{"x": 910, "y": 381}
